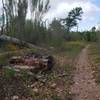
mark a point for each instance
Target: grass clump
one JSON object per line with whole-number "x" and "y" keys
{"x": 55, "y": 97}
{"x": 24, "y": 76}
{"x": 9, "y": 73}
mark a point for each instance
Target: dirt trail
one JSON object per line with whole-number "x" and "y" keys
{"x": 85, "y": 87}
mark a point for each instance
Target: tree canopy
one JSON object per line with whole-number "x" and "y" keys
{"x": 72, "y": 19}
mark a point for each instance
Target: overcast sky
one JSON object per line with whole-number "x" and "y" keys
{"x": 91, "y": 9}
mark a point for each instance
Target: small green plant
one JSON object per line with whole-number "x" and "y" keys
{"x": 69, "y": 96}
{"x": 37, "y": 98}
{"x": 24, "y": 75}
{"x": 98, "y": 77}
{"x": 9, "y": 73}
{"x": 55, "y": 97}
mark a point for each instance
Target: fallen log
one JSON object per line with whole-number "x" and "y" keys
{"x": 18, "y": 41}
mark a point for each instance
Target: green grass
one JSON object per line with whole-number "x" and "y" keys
{"x": 95, "y": 55}
{"x": 70, "y": 49}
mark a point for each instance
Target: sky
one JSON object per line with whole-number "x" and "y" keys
{"x": 60, "y": 9}
{"x": 90, "y": 17}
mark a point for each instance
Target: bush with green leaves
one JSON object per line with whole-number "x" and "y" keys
{"x": 90, "y": 36}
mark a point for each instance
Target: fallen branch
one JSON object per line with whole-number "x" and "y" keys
{"x": 62, "y": 75}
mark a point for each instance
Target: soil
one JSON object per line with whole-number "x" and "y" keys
{"x": 84, "y": 87}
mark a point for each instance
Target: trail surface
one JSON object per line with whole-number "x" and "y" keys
{"x": 84, "y": 87}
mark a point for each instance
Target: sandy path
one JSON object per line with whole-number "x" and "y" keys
{"x": 85, "y": 87}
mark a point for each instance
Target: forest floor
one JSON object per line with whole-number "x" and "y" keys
{"x": 85, "y": 87}
{"x": 53, "y": 85}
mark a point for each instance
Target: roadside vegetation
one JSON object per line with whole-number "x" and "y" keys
{"x": 95, "y": 57}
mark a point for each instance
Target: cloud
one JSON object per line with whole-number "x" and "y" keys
{"x": 60, "y": 8}
{"x": 90, "y": 10}
{"x": 98, "y": 26}
{"x": 0, "y": 7}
